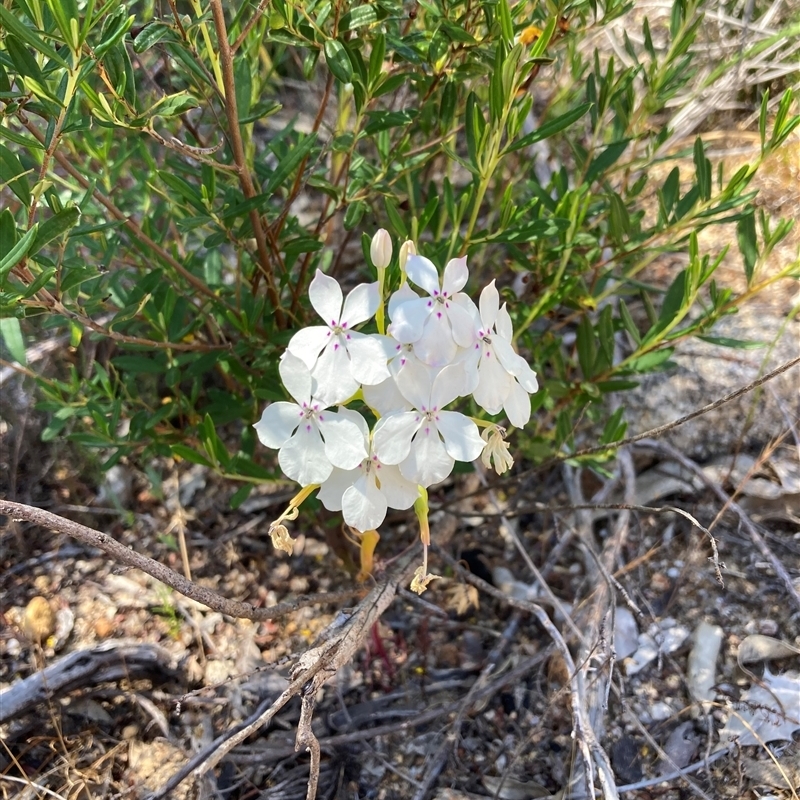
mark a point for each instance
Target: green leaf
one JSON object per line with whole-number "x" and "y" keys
{"x": 187, "y": 454}
{"x": 702, "y": 170}
{"x": 13, "y": 24}
{"x": 614, "y": 429}
{"x": 152, "y": 34}
{"x": 550, "y": 128}
{"x": 53, "y": 227}
{"x": 355, "y": 211}
{"x": 506, "y": 24}
{"x": 627, "y": 321}
{"x": 748, "y": 243}
{"x": 240, "y": 495}
{"x": 651, "y": 361}
{"x": 212, "y": 443}
{"x": 338, "y": 60}
{"x": 243, "y": 78}
{"x": 18, "y": 251}
{"x": 140, "y": 365}
{"x": 376, "y": 57}
{"x": 12, "y": 337}
{"x": 587, "y": 347}
{"x": 288, "y": 163}
{"x": 175, "y": 104}
{"x": 384, "y": 120}
{"x": 606, "y": 159}
{"x": 12, "y": 174}
{"x": 114, "y": 28}
{"x": 22, "y": 59}
{"x": 357, "y": 18}
{"x": 737, "y": 344}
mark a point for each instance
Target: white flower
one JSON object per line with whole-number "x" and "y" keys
{"x": 427, "y": 441}
{"x": 386, "y": 397}
{"x": 380, "y": 249}
{"x": 408, "y": 248}
{"x": 439, "y": 324}
{"x": 311, "y": 440}
{"x": 502, "y": 378}
{"x": 348, "y": 358}
{"x": 363, "y": 494}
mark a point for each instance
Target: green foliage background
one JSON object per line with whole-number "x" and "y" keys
{"x": 164, "y": 199}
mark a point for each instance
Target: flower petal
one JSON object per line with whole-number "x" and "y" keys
{"x": 385, "y": 397}
{"x": 361, "y": 304}
{"x": 489, "y": 305}
{"x": 391, "y": 438}
{"x": 339, "y": 481}
{"x": 428, "y": 462}
{"x": 408, "y": 319}
{"x": 326, "y": 297}
{"x": 448, "y": 384}
{"x": 307, "y": 343}
{"x": 367, "y": 359}
{"x": 461, "y": 438}
{"x": 503, "y": 323}
{"x": 363, "y": 505}
{"x": 414, "y": 382}
{"x": 303, "y": 458}
{"x": 494, "y": 383}
{"x": 402, "y": 295}
{"x": 399, "y": 492}
{"x": 455, "y": 275}
{"x": 335, "y": 383}
{"x": 422, "y": 272}
{"x": 296, "y": 377}
{"x": 344, "y": 441}
{"x": 278, "y": 423}
{"x": 436, "y": 347}
{"x": 517, "y": 406}
{"x": 462, "y": 323}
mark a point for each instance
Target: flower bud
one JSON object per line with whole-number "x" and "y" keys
{"x": 380, "y": 249}
{"x": 408, "y": 248}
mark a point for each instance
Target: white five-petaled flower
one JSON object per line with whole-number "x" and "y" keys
{"x": 500, "y": 378}
{"x": 340, "y": 358}
{"x": 311, "y": 440}
{"x": 439, "y": 324}
{"x": 427, "y": 441}
{"x": 363, "y": 494}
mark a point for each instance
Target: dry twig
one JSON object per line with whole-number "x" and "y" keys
{"x": 124, "y": 555}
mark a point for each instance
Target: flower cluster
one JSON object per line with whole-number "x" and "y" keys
{"x": 438, "y": 347}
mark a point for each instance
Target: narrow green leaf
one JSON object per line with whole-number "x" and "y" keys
{"x": 605, "y": 333}
{"x": 376, "y": 59}
{"x": 614, "y": 429}
{"x": 152, "y": 34}
{"x": 627, "y": 321}
{"x": 748, "y": 244}
{"x": 13, "y": 24}
{"x": 762, "y": 119}
{"x": 550, "y": 128}
{"x": 289, "y": 163}
{"x": 506, "y": 24}
{"x": 651, "y": 361}
{"x": 737, "y": 344}
{"x": 243, "y": 77}
{"x": 12, "y": 337}
{"x": 587, "y": 348}
{"x": 22, "y": 59}
{"x": 53, "y": 227}
{"x": 702, "y": 170}
{"x": 17, "y": 252}
{"x": 12, "y": 175}
{"x": 39, "y": 282}
{"x": 175, "y": 104}
{"x": 240, "y": 495}
{"x": 187, "y": 454}
{"x": 606, "y": 159}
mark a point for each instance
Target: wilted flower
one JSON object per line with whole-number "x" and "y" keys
{"x": 496, "y": 450}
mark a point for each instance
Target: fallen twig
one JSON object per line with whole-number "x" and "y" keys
{"x": 338, "y": 644}
{"x": 124, "y": 555}
{"x": 757, "y": 539}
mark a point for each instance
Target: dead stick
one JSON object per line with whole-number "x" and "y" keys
{"x": 124, "y": 555}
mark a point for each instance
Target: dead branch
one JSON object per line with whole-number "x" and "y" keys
{"x": 124, "y": 555}
{"x": 757, "y": 539}
{"x": 108, "y": 662}
{"x": 336, "y": 647}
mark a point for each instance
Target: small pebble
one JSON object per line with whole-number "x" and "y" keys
{"x": 660, "y": 711}
{"x": 39, "y": 620}
{"x": 103, "y": 628}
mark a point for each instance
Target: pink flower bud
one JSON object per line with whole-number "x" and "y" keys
{"x": 380, "y": 249}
